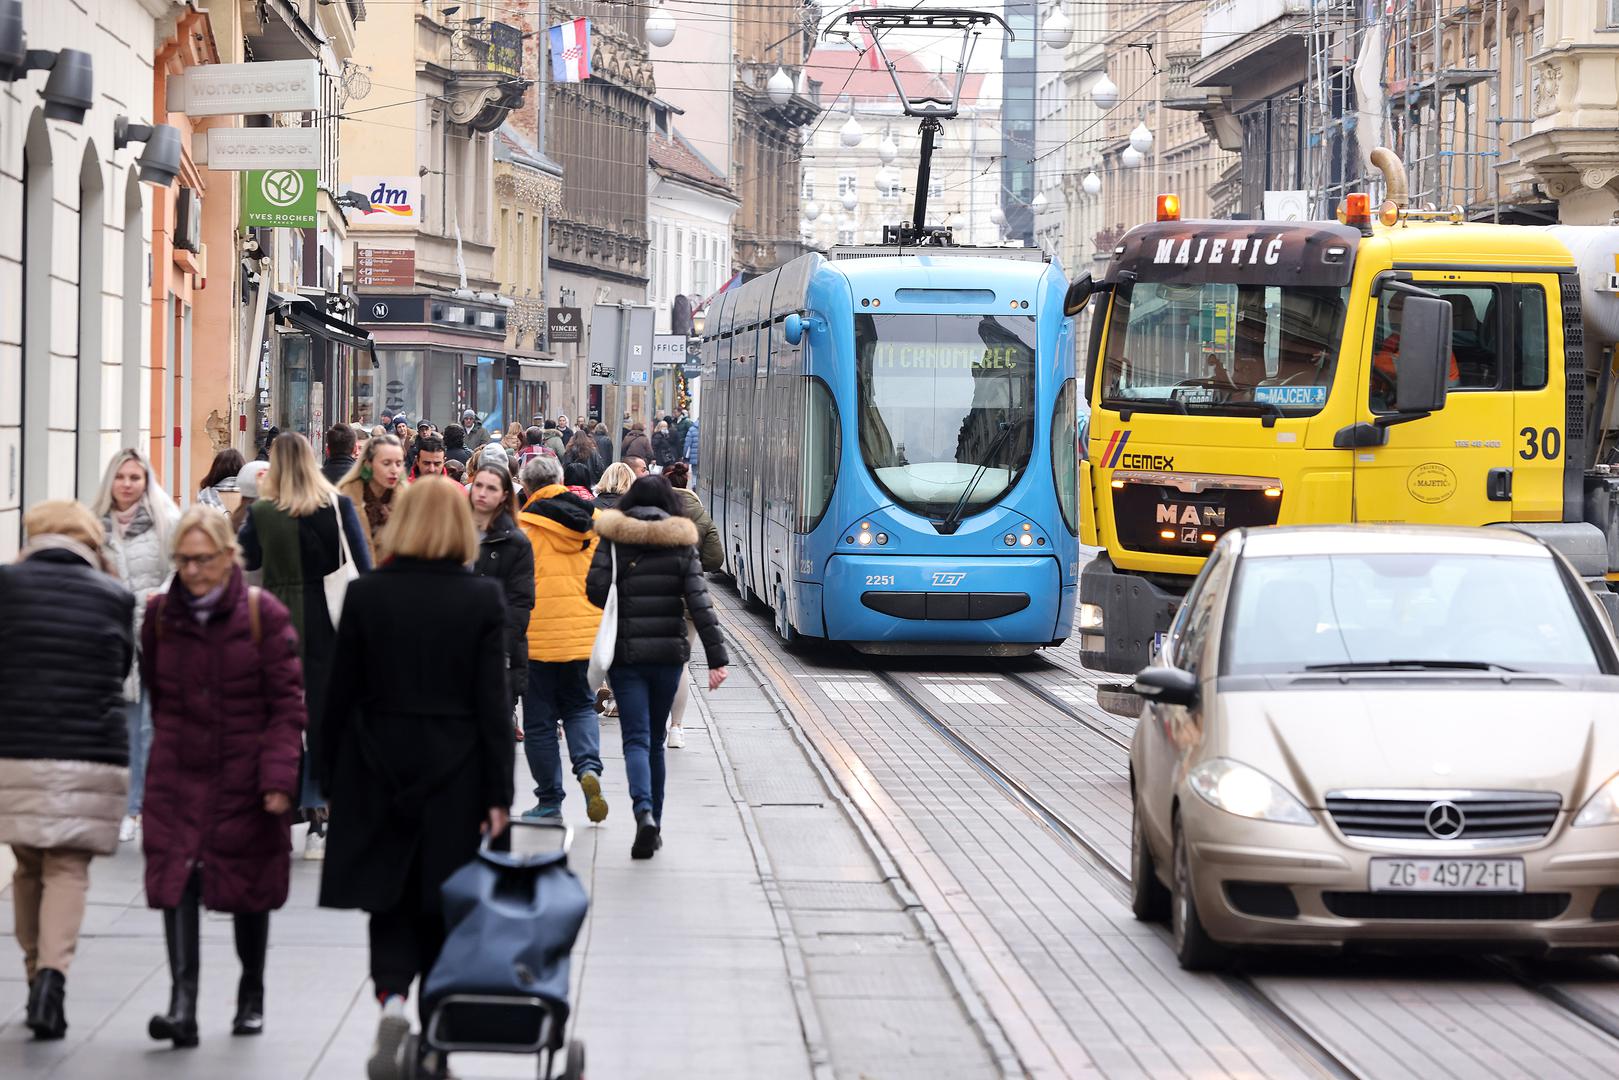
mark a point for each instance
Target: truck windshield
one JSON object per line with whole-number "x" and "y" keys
{"x": 946, "y": 407}
{"x": 1222, "y": 349}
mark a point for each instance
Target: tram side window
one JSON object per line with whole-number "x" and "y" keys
{"x": 1065, "y": 455}
{"x": 1475, "y": 350}
{"x": 822, "y": 447}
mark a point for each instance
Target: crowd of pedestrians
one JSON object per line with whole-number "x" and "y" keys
{"x": 278, "y": 654}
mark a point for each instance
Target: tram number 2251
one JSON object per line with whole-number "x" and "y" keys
{"x": 879, "y": 579}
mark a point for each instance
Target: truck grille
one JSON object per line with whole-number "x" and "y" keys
{"x": 1167, "y": 520}
{"x": 1522, "y": 815}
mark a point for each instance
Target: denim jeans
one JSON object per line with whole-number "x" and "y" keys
{"x": 138, "y": 722}
{"x": 559, "y": 690}
{"x": 645, "y": 694}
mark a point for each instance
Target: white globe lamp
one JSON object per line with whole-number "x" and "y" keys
{"x": 888, "y": 149}
{"x": 1039, "y": 201}
{"x": 1141, "y": 139}
{"x": 997, "y": 216}
{"x": 1058, "y": 31}
{"x": 1092, "y": 184}
{"x": 660, "y": 27}
{"x": 1131, "y": 158}
{"x": 1105, "y": 94}
{"x": 850, "y": 200}
{"x": 780, "y": 86}
{"x": 812, "y": 210}
{"x": 851, "y": 133}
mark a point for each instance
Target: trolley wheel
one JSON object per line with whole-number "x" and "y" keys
{"x": 573, "y": 1067}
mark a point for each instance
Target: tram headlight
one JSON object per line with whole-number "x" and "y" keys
{"x": 864, "y": 538}
{"x": 1026, "y": 539}
{"x": 882, "y": 539}
{"x": 1011, "y": 541}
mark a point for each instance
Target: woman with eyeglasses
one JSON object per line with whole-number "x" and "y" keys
{"x": 220, "y": 659}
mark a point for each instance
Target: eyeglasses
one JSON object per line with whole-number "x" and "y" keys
{"x": 185, "y": 562}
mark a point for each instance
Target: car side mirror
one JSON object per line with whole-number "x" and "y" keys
{"x": 1423, "y": 362}
{"x": 1079, "y": 291}
{"x": 1167, "y": 686}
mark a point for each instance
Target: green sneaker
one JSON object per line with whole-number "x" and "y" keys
{"x": 595, "y": 805}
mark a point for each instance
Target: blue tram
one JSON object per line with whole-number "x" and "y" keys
{"x": 889, "y": 448}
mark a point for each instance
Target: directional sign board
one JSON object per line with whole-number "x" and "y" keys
{"x": 615, "y": 357}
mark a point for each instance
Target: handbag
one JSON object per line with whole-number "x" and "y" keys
{"x": 337, "y": 582}
{"x": 601, "y": 653}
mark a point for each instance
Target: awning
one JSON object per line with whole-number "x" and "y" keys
{"x": 307, "y": 316}
{"x": 533, "y": 369}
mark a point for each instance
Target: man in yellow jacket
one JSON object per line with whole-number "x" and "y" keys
{"x": 560, "y": 526}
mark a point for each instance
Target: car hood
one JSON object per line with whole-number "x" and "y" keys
{"x": 1490, "y": 738}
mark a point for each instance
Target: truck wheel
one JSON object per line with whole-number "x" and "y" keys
{"x": 1195, "y": 950}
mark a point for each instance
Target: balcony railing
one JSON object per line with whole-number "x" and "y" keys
{"x": 488, "y": 46}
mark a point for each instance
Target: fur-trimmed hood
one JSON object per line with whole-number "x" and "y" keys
{"x": 647, "y": 528}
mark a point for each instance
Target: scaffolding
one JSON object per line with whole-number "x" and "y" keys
{"x": 1430, "y": 72}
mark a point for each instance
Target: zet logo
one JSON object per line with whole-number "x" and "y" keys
{"x": 946, "y": 580}
{"x": 281, "y": 188}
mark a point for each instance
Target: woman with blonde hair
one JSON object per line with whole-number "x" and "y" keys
{"x": 137, "y": 516}
{"x": 299, "y": 531}
{"x": 616, "y": 480}
{"x": 372, "y": 486}
{"x": 221, "y": 659}
{"x": 417, "y": 747}
{"x": 65, "y": 647}
{"x": 513, "y": 442}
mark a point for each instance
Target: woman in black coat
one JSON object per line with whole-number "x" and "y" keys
{"x": 417, "y": 747}
{"x": 648, "y": 552}
{"x": 582, "y": 451}
{"x": 505, "y": 554}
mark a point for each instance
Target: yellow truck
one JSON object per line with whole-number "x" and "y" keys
{"x": 1398, "y": 365}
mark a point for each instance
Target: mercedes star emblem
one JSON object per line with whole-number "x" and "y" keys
{"x": 1445, "y": 820}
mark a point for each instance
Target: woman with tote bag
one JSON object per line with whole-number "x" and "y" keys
{"x": 646, "y": 576}
{"x": 308, "y": 540}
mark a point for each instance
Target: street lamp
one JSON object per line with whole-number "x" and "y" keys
{"x": 812, "y": 210}
{"x": 780, "y": 86}
{"x": 997, "y": 216}
{"x": 1058, "y": 31}
{"x": 1039, "y": 201}
{"x": 851, "y": 133}
{"x": 660, "y": 26}
{"x": 1092, "y": 184}
{"x": 1141, "y": 139}
{"x": 850, "y": 200}
{"x": 888, "y": 149}
{"x": 1131, "y": 158}
{"x": 1105, "y": 94}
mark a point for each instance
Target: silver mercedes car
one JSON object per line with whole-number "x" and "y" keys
{"x": 1380, "y": 735}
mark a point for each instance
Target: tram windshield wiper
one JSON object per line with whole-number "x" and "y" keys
{"x": 947, "y": 525}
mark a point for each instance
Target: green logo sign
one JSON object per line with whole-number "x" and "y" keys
{"x": 280, "y": 198}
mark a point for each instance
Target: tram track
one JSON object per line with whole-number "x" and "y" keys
{"x": 1267, "y": 1010}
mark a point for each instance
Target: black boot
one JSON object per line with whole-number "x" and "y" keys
{"x": 46, "y": 1018}
{"x": 252, "y": 941}
{"x": 180, "y": 931}
{"x": 647, "y": 840}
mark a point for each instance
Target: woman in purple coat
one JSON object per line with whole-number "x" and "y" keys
{"x": 221, "y": 660}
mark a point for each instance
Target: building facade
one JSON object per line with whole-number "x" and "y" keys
{"x": 1084, "y": 70}
{"x": 528, "y": 189}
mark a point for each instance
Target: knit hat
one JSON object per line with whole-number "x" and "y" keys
{"x": 247, "y": 481}
{"x": 495, "y": 454}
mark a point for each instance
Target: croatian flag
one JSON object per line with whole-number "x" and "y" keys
{"x": 570, "y": 51}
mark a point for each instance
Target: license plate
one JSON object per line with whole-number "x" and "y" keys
{"x": 1447, "y": 875}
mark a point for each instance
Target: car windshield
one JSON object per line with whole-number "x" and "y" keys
{"x": 1222, "y": 349}
{"x": 946, "y": 406}
{"x": 1346, "y": 612}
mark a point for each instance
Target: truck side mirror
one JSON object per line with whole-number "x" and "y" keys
{"x": 1079, "y": 291}
{"x": 1423, "y": 362}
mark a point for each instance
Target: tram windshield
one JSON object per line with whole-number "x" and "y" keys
{"x": 946, "y": 407}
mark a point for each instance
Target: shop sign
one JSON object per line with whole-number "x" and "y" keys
{"x": 564, "y": 325}
{"x": 505, "y": 49}
{"x": 395, "y": 200}
{"x": 241, "y": 149}
{"x": 280, "y": 198}
{"x": 233, "y": 89}
{"x": 385, "y": 267}
{"x": 670, "y": 349}
{"x": 391, "y": 309}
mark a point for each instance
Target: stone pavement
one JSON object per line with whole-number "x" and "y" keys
{"x": 765, "y": 940}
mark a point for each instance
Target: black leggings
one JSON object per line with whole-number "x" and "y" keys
{"x": 405, "y": 940}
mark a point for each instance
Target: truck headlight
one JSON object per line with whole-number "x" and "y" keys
{"x": 1246, "y": 792}
{"x": 1602, "y": 808}
{"x": 1090, "y": 616}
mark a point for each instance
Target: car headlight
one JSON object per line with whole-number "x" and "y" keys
{"x": 1246, "y": 792}
{"x": 1602, "y": 808}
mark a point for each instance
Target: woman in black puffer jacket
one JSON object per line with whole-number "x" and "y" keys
{"x": 651, "y": 550}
